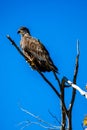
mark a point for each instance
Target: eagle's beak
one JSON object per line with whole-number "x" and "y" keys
{"x": 18, "y": 31}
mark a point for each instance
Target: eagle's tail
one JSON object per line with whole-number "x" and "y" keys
{"x": 54, "y": 68}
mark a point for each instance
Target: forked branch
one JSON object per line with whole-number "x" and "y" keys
{"x": 39, "y": 122}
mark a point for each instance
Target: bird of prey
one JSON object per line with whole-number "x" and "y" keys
{"x": 36, "y": 53}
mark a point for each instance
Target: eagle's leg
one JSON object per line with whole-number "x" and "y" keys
{"x": 31, "y": 61}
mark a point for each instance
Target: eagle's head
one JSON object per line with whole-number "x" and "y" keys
{"x": 23, "y": 31}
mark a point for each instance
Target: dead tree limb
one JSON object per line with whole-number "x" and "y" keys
{"x": 55, "y": 75}
{"x": 55, "y": 117}
{"x": 14, "y": 44}
{"x": 74, "y": 90}
{"x": 75, "y": 77}
{"x": 39, "y": 122}
{"x": 64, "y": 113}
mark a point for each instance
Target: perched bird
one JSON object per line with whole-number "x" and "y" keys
{"x": 35, "y": 51}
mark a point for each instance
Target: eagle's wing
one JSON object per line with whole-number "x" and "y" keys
{"x": 37, "y": 50}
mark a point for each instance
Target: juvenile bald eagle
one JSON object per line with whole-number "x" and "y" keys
{"x": 35, "y": 51}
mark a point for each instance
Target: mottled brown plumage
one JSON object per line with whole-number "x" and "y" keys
{"x": 35, "y": 51}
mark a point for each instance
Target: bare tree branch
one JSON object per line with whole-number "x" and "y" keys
{"x": 82, "y": 92}
{"x": 14, "y": 44}
{"x": 24, "y": 123}
{"x": 75, "y": 76}
{"x": 28, "y": 123}
{"x": 40, "y": 122}
{"x": 54, "y": 89}
{"x": 55, "y": 117}
{"x": 64, "y": 110}
{"x": 74, "y": 90}
{"x": 55, "y": 75}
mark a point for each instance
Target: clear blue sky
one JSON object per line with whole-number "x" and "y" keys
{"x": 58, "y": 24}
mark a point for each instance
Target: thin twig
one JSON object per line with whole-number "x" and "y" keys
{"x": 60, "y": 96}
{"x": 75, "y": 77}
{"x": 44, "y": 125}
{"x": 25, "y": 124}
{"x": 55, "y": 75}
{"x": 54, "y": 116}
{"x": 47, "y": 81}
{"x": 39, "y": 124}
{"x": 14, "y": 44}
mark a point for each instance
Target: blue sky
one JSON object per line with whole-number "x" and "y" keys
{"x": 58, "y": 24}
